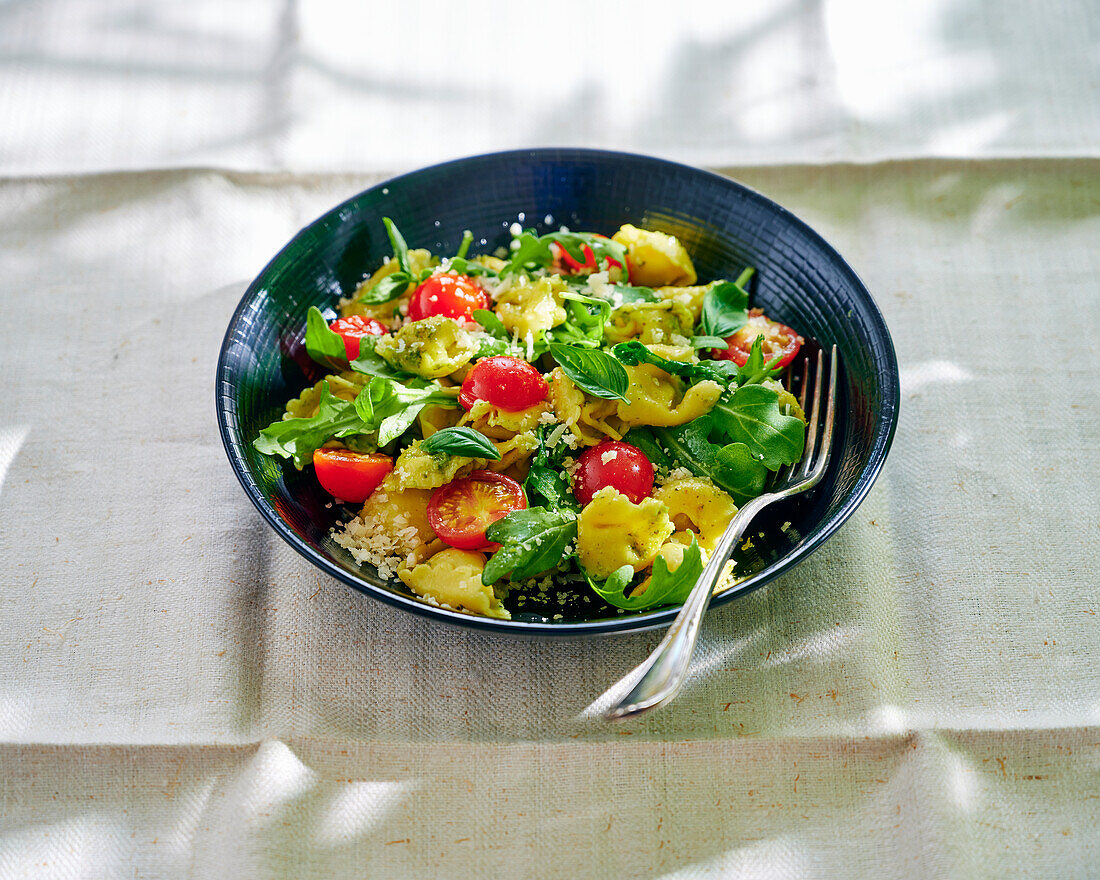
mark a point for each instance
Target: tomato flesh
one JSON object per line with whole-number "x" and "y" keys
{"x": 508, "y": 383}
{"x": 568, "y": 265}
{"x": 449, "y": 294}
{"x": 350, "y": 476}
{"x": 612, "y": 463}
{"x": 780, "y": 341}
{"x": 460, "y": 511}
{"x": 354, "y": 328}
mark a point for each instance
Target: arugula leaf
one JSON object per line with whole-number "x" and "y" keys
{"x": 725, "y": 309}
{"x": 371, "y": 363}
{"x": 631, "y": 294}
{"x": 755, "y": 370}
{"x": 531, "y": 541}
{"x": 634, "y": 352}
{"x": 324, "y": 345}
{"x": 461, "y": 441}
{"x": 533, "y": 252}
{"x": 708, "y": 342}
{"x": 731, "y": 467}
{"x": 400, "y": 248}
{"x": 386, "y": 288}
{"x": 546, "y": 478}
{"x": 595, "y": 372}
{"x": 490, "y": 322}
{"x": 665, "y": 587}
{"x": 582, "y": 327}
{"x": 751, "y": 415}
{"x": 297, "y": 439}
{"x": 401, "y": 409}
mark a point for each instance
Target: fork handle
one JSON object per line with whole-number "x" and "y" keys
{"x": 664, "y": 673}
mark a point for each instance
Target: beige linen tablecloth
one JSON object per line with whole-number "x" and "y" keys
{"x": 184, "y": 696}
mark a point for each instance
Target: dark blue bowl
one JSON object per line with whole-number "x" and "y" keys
{"x": 800, "y": 281}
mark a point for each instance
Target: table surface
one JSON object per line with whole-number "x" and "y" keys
{"x": 184, "y": 696}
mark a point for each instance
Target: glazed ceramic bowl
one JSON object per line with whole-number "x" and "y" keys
{"x": 801, "y": 281}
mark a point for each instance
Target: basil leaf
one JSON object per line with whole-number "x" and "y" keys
{"x": 665, "y": 587}
{"x": 595, "y": 372}
{"x": 725, "y": 309}
{"x": 531, "y": 541}
{"x": 298, "y": 439}
{"x": 751, "y": 415}
{"x": 400, "y": 249}
{"x": 324, "y": 345}
{"x": 387, "y": 288}
{"x": 461, "y": 441}
{"x": 708, "y": 342}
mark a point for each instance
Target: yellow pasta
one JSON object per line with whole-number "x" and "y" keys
{"x": 453, "y": 578}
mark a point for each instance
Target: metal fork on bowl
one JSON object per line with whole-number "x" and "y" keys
{"x": 664, "y": 672}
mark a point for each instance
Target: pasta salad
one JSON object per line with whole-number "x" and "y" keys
{"x": 574, "y": 414}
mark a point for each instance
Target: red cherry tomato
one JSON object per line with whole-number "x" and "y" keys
{"x": 350, "y": 476}
{"x": 780, "y": 341}
{"x": 508, "y": 383}
{"x": 460, "y": 512}
{"x": 451, "y": 295}
{"x": 612, "y": 463}
{"x": 354, "y": 328}
{"x": 568, "y": 265}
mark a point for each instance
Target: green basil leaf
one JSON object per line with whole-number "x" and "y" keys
{"x": 324, "y": 345}
{"x": 531, "y": 541}
{"x": 387, "y": 288}
{"x": 461, "y": 441}
{"x": 400, "y": 248}
{"x": 725, "y": 309}
{"x": 751, "y": 415}
{"x": 665, "y": 587}
{"x": 298, "y": 439}
{"x": 595, "y": 372}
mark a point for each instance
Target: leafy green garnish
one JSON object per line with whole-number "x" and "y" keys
{"x": 631, "y": 294}
{"x": 534, "y": 252}
{"x": 531, "y": 541}
{"x": 396, "y": 283}
{"x": 582, "y": 326}
{"x": 324, "y": 345}
{"x": 634, "y": 352}
{"x": 751, "y": 415}
{"x": 708, "y": 342}
{"x": 371, "y": 363}
{"x": 490, "y": 323}
{"x": 755, "y": 370}
{"x": 595, "y": 372}
{"x": 400, "y": 248}
{"x": 725, "y": 310}
{"x": 461, "y": 441}
{"x": 665, "y": 587}
{"x": 298, "y": 439}
{"x": 401, "y": 404}
{"x": 546, "y": 479}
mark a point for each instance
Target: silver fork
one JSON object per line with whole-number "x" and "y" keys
{"x": 664, "y": 672}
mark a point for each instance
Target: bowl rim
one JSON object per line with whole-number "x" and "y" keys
{"x": 885, "y": 429}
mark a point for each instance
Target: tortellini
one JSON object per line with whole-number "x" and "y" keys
{"x": 392, "y": 530}
{"x": 416, "y": 469}
{"x": 657, "y": 259}
{"x": 433, "y": 347}
{"x": 589, "y": 418}
{"x": 667, "y": 322}
{"x": 697, "y": 505}
{"x": 690, "y": 298}
{"x": 419, "y": 259}
{"x": 656, "y": 398}
{"x": 528, "y": 307}
{"x": 612, "y": 532}
{"x": 453, "y": 578}
{"x": 500, "y": 424}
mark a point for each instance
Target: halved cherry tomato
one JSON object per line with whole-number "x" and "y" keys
{"x": 780, "y": 341}
{"x": 451, "y": 295}
{"x": 616, "y": 464}
{"x": 350, "y": 476}
{"x": 460, "y": 511}
{"x": 354, "y": 328}
{"x": 508, "y": 383}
